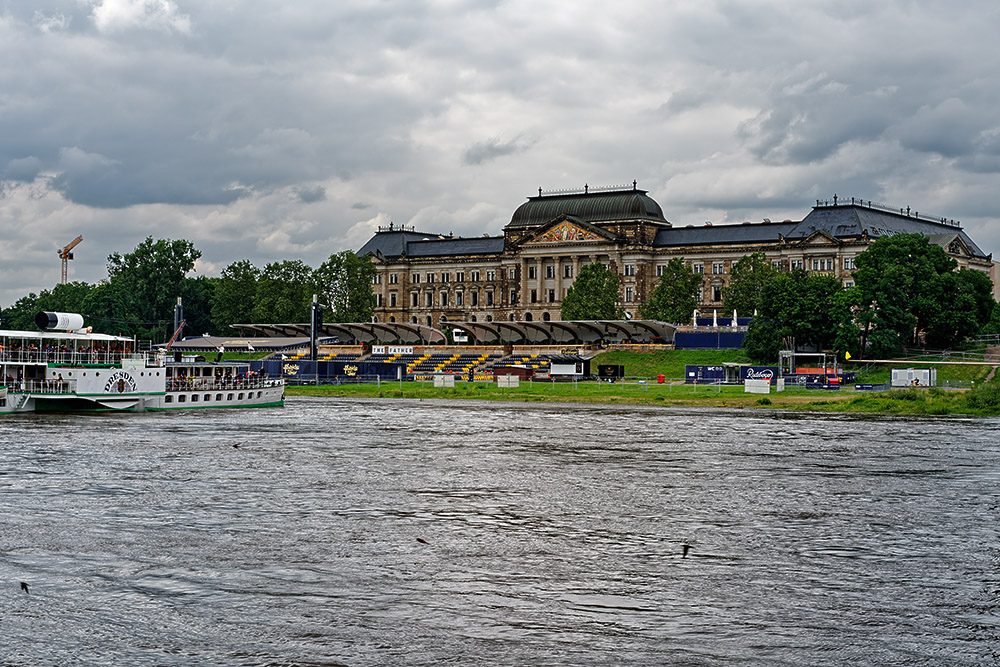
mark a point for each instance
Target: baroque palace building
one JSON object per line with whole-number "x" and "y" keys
{"x": 523, "y": 275}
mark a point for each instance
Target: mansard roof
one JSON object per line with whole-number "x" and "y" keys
{"x": 858, "y": 218}
{"x": 396, "y": 243}
{"x": 760, "y": 232}
{"x": 597, "y": 205}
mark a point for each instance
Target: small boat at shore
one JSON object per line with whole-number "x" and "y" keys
{"x": 67, "y": 368}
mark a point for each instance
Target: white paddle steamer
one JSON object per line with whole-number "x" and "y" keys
{"x": 67, "y": 368}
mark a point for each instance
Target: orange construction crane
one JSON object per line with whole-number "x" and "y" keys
{"x": 66, "y": 255}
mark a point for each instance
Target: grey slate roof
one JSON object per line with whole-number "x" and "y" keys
{"x": 631, "y": 204}
{"x": 854, "y": 220}
{"x": 759, "y": 232}
{"x": 391, "y": 244}
{"x": 416, "y": 244}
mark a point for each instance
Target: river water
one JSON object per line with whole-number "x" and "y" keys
{"x": 364, "y": 532}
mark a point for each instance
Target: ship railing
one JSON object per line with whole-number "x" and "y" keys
{"x": 221, "y": 384}
{"x": 67, "y": 357}
{"x": 35, "y": 386}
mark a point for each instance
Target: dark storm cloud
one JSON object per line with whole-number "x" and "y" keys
{"x": 289, "y": 130}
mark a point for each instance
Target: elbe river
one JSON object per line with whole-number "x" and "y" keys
{"x": 366, "y": 532}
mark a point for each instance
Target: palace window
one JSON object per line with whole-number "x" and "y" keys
{"x": 392, "y": 299}
{"x": 718, "y": 268}
{"x": 660, "y": 268}
{"x": 552, "y": 296}
{"x": 630, "y": 269}
{"x": 475, "y": 276}
{"x": 460, "y": 277}
{"x": 849, "y": 264}
{"x": 444, "y": 299}
{"x": 629, "y": 294}
{"x": 430, "y": 299}
{"x": 568, "y": 271}
{"x": 378, "y": 300}
{"x": 796, "y": 264}
{"x": 531, "y": 272}
{"x": 534, "y": 296}
{"x": 698, "y": 268}
{"x": 430, "y": 277}
{"x": 489, "y": 298}
{"x": 393, "y": 278}
{"x": 445, "y": 277}
{"x": 458, "y": 298}
{"x": 512, "y": 274}
{"x": 716, "y": 293}
{"x": 550, "y": 271}
{"x": 413, "y": 299}
{"x": 377, "y": 280}
{"x": 473, "y": 298}
{"x": 415, "y": 278}
{"x": 491, "y": 275}
{"x": 513, "y": 296}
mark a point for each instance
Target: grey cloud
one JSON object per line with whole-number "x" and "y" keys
{"x": 23, "y": 169}
{"x": 491, "y": 149}
{"x": 311, "y": 195}
{"x": 360, "y": 206}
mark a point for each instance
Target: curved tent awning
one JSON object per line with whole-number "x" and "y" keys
{"x": 364, "y": 332}
{"x": 558, "y": 331}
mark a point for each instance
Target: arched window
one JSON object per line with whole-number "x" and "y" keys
{"x": 546, "y": 317}
{"x": 489, "y": 318}
{"x": 527, "y": 317}
{"x": 472, "y": 318}
{"x": 392, "y": 319}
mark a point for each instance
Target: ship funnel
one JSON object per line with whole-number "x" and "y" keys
{"x": 59, "y": 321}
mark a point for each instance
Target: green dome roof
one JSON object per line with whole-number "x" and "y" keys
{"x": 626, "y": 204}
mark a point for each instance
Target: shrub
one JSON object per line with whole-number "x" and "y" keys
{"x": 984, "y": 397}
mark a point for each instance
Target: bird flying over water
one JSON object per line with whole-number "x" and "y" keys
{"x": 24, "y": 586}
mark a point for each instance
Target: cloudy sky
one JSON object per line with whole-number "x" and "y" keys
{"x": 269, "y": 130}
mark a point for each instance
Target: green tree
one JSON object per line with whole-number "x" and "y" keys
{"x": 284, "y": 292}
{"x": 799, "y": 305}
{"x": 593, "y": 295}
{"x": 21, "y": 315}
{"x": 234, "y": 295}
{"x": 675, "y": 296}
{"x": 149, "y": 279}
{"x": 907, "y": 290}
{"x": 344, "y": 284}
{"x": 744, "y": 293}
{"x": 65, "y": 298}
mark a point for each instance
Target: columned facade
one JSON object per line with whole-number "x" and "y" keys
{"x": 523, "y": 275}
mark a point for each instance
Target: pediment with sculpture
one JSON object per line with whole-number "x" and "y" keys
{"x": 567, "y": 230}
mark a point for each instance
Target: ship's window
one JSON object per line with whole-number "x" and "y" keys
{"x": 208, "y": 397}
{"x": 258, "y": 394}
{"x": 241, "y": 396}
{"x": 181, "y": 398}
{"x": 229, "y": 397}
{"x": 218, "y": 397}
{"x": 194, "y": 398}
{"x": 168, "y": 399}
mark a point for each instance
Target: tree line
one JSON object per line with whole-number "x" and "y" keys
{"x": 906, "y": 292}
{"x": 142, "y": 287}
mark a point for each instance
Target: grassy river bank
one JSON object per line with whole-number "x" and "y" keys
{"x": 984, "y": 400}
{"x": 976, "y": 396}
